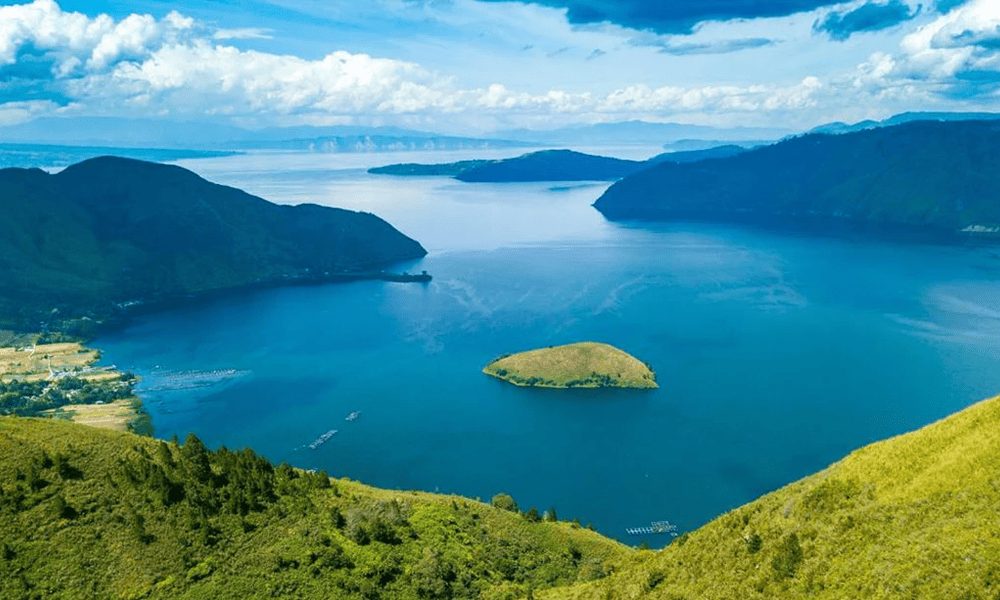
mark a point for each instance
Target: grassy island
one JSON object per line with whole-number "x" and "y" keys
{"x": 580, "y": 365}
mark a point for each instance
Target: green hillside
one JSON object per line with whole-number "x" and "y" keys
{"x": 940, "y": 176}
{"x": 110, "y": 231}
{"x": 914, "y": 516}
{"x": 89, "y": 513}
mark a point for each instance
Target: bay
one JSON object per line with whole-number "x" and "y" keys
{"x": 777, "y": 353}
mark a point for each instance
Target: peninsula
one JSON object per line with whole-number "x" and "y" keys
{"x": 579, "y": 365}
{"x": 550, "y": 165}
{"x": 923, "y": 176}
{"x": 80, "y": 248}
{"x": 60, "y": 380}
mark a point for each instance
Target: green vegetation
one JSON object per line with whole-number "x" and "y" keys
{"x": 550, "y": 165}
{"x": 939, "y": 176}
{"x": 419, "y": 170}
{"x": 910, "y": 517}
{"x": 580, "y": 365}
{"x": 91, "y": 513}
{"x": 59, "y": 380}
{"x": 88, "y": 513}
{"x": 79, "y": 247}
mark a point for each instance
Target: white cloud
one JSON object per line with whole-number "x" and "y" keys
{"x": 181, "y": 67}
{"x": 965, "y": 39}
{"x": 243, "y": 33}
{"x": 19, "y": 112}
{"x": 176, "y": 66}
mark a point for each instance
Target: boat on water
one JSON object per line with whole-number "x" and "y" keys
{"x": 354, "y": 415}
{"x": 322, "y": 439}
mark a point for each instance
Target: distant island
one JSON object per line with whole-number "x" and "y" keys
{"x": 934, "y": 177}
{"x": 108, "y": 235}
{"x": 550, "y": 165}
{"x": 579, "y": 365}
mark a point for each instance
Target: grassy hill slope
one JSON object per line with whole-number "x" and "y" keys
{"x": 87, "y": 513}
{"x": 910, "y": 517}
{"x": 92, "y": 513}
{"x": 935, "y": 175}
{"x": 111, "y": 230}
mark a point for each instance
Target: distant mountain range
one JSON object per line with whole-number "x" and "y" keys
{"x": 938, "y": 175}
{"x": 51, "y": 155}
{"x": 163, "y": 133}
{"x": 637, "y": 133}
{"x": 200, "y": 135}
{"x": 549, "y": 165}
{"x": 109, "y": 231}
{"x": 907, "y": 117}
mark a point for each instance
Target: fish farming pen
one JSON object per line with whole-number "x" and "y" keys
{"x": 654, "y": 527}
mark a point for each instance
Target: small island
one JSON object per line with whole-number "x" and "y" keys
{"x": 579, "y": 365}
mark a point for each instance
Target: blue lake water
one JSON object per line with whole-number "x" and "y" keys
{"x": 776, "y": 353}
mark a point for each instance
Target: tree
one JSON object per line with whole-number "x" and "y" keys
{"x": 195, "y": 458}
{"x": 788, "y": 557}
{"x": 551, "y": 515}
{"x": 532, "y": 515}
{"x": 504, "y": 502}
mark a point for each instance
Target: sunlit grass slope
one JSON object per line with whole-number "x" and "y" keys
{"x": 916, "y": 516}
{"x": 88, "y": 513}
{"x": 584, "y": 364}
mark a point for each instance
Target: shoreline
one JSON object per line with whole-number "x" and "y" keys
{"x": 60, "y": 381}
{"x": 63, "y": 354}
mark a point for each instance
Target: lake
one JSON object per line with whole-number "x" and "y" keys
{"x": 776, "y": 353}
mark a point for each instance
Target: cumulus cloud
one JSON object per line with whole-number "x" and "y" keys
{"x": 176, "y": 66}
{"x": 957, "y": 54}
{"x": 870, "y": 16}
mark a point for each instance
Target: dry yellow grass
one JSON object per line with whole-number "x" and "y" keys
{"x": 32, "y": 363}
{"x": 114, "y": 415}
{"x": 583, "y": 364}
{"x": 40, "y": 362}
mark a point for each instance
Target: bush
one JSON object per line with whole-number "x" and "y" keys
{"x": 788, "y": 557}
{"x": 504, "y": 502}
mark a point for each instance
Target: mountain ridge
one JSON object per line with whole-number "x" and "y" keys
{"x": 109, "y": 231}
{"x": 934, "y": 176}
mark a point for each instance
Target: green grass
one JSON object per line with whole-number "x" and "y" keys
{"x": 584, "y": 364}
{"x": 915, "y": 516}
{"x": 88, "y": 513}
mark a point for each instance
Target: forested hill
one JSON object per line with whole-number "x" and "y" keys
{"x": 938, "y": 175}
{"x": 90, "y": 513}
{"x": 549, "y": 165}
{"x": 114, "y": 230}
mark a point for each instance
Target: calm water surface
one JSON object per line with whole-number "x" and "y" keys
{"x": 776, "y": 353}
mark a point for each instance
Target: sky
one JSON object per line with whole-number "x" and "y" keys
{"x": 474, "y": 66}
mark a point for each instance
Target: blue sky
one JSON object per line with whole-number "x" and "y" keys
{"x": 470, "y": 66}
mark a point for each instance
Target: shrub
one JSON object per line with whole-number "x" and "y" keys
{"x": 504, "y": 502}
{"x": 788, "y": 557}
